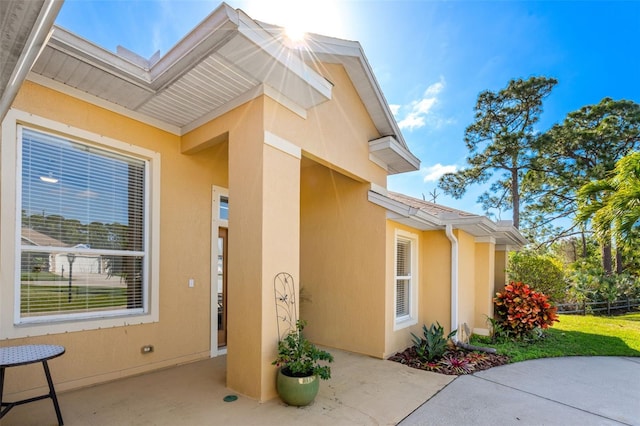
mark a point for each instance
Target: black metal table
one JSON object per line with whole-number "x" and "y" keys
{"x": 14, "y": 356}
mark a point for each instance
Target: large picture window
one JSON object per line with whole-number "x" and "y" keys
{"x": 83, "y": 221}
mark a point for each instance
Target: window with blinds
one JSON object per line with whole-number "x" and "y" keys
{"x": 403, "y": 277}
{"x": 82, "y": 222}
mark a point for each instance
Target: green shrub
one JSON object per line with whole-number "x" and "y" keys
{"x": 434, "y": 343}
{"x": 520, "y": 310}
{"x": 542, "y": 273}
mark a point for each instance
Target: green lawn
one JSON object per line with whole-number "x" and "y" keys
{"x": 38, "y": 299}
{"x": 578, "y": 335}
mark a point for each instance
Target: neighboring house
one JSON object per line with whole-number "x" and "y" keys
{"x": 231, "y": 158}
{"x": 35, "y": 260}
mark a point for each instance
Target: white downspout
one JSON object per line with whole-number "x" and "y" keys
{"x": 454, "y": 279}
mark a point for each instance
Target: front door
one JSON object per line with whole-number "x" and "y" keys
{"x": 222, "y": 287}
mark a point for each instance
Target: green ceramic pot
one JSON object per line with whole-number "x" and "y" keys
{"x": 297, "y": 391}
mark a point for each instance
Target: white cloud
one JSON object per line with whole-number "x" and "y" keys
{"x": 435, "y": 88}
{"x": 419, "y": 110}
{"x": 433, "y": 173}
{"x": 394, "y": 109}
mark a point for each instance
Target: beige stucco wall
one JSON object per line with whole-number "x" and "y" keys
{"x": 336, "y": 133}
{"x": 182, "y": 334}
{"x": 485, "y": 279}
{"x": 500, "y": 270}
{"x": 313, "y": 221}
{"x": 434, "y": 291}
{"x": 467, "y": 278}
{"x": 342, "y": 262}
{"x": 476, "y": 273}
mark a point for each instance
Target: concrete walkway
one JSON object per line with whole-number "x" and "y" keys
{"x": 362, "y": 391}
{"x": 551, "y": 391}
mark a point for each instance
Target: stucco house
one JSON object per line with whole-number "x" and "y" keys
{"x": 202, "y": 173}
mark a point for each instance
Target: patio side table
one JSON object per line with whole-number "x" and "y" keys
{"x": 14, "y": 356}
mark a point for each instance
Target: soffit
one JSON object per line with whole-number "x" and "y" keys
{"x": 17, "y": 19}
{"x": 227, "y": 56}
{"x": 24, "y": 27}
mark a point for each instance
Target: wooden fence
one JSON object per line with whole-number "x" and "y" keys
{"x": 598, "y": 307}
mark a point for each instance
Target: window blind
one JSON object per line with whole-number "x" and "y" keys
{"x": 403, "y": 276}
{"x": 82, "y": 224}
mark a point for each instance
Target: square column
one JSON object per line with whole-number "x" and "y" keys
{"x": 264, "y": 239}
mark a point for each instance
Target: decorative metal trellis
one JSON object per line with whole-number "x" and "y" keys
{"x": 286, "y": 310}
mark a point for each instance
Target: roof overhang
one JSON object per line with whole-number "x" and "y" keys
{"x": 24, "y": 30}
{"x": 225, "y": 61}
{"x": 480, "y": 227}
{"x": 391, "y": 150}
{"x": 226, "y": 57}
{"x": 390, "y": 153}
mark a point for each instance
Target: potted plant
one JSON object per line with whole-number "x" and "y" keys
{"x": 300, "y": 369}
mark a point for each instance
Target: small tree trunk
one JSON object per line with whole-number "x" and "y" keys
{"x": 607, "y": 263}
{"x": 619, "y": 262}
{"x": 515, "y": 198}
{"x": 584, "y": 245}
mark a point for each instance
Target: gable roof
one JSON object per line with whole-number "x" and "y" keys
{"x": 225, "y": 61}
{"x": 427, "y": 216}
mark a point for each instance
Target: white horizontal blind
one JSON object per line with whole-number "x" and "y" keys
{"x": 403, "y": 277}
{"x": 82, "y": 226}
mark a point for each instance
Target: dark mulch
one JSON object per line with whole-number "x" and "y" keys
{"x": 455, "y": 361}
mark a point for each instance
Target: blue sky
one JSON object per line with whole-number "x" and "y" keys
{"x": 431, "y": 58}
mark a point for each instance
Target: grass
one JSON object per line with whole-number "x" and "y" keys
{"x": 577, "y": 335}
{"x": 38, "y": 299}
{"x": 41, "y": 276}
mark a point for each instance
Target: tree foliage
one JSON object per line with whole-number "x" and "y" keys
{"x": 499, "y": 142}
{"x": 612, "y": 204}
{"x": 542, "y": 272}
{"x": 582, "y": 149}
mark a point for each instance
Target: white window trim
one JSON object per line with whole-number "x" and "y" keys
{"x": 10, "y": 261}
{"x": 411, "y": 319}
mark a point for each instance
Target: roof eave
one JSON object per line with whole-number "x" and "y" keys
{"x": 477, "y": 226}
{"x": 393, "y": 155}
{"x": 405, "y": 214}
{"x": 351, "y": 55}
{"x": 35, "y": 32}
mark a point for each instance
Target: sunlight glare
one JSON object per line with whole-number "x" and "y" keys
{"x": 298, "y": 17}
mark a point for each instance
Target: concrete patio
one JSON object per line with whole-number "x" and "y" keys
{"x": 362, "y": 391}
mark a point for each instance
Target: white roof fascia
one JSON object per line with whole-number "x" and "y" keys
{"x": 386, "y": 146}
{"x": 215, "y": 30}
{"x": 511, "y": 234}
{"x": 320, "y": 44}
{"x": 86, "y": 51}
{"x": 482, "y": 223}
{"x": 37, "y": 40}
{"x": 405, "y": 214}
{"x": 480, "y": 227}
{"x": 109, "y": 106}
{"x": 294, "y": 63}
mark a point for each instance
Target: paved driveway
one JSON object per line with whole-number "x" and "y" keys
{"x": 551, "y": 391}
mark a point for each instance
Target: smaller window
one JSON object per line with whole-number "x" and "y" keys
{"x": 224, "y": 208}
{"x": 406, "y": 282}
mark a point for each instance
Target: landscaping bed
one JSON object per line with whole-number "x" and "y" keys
{"x": 454, "y": 361}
